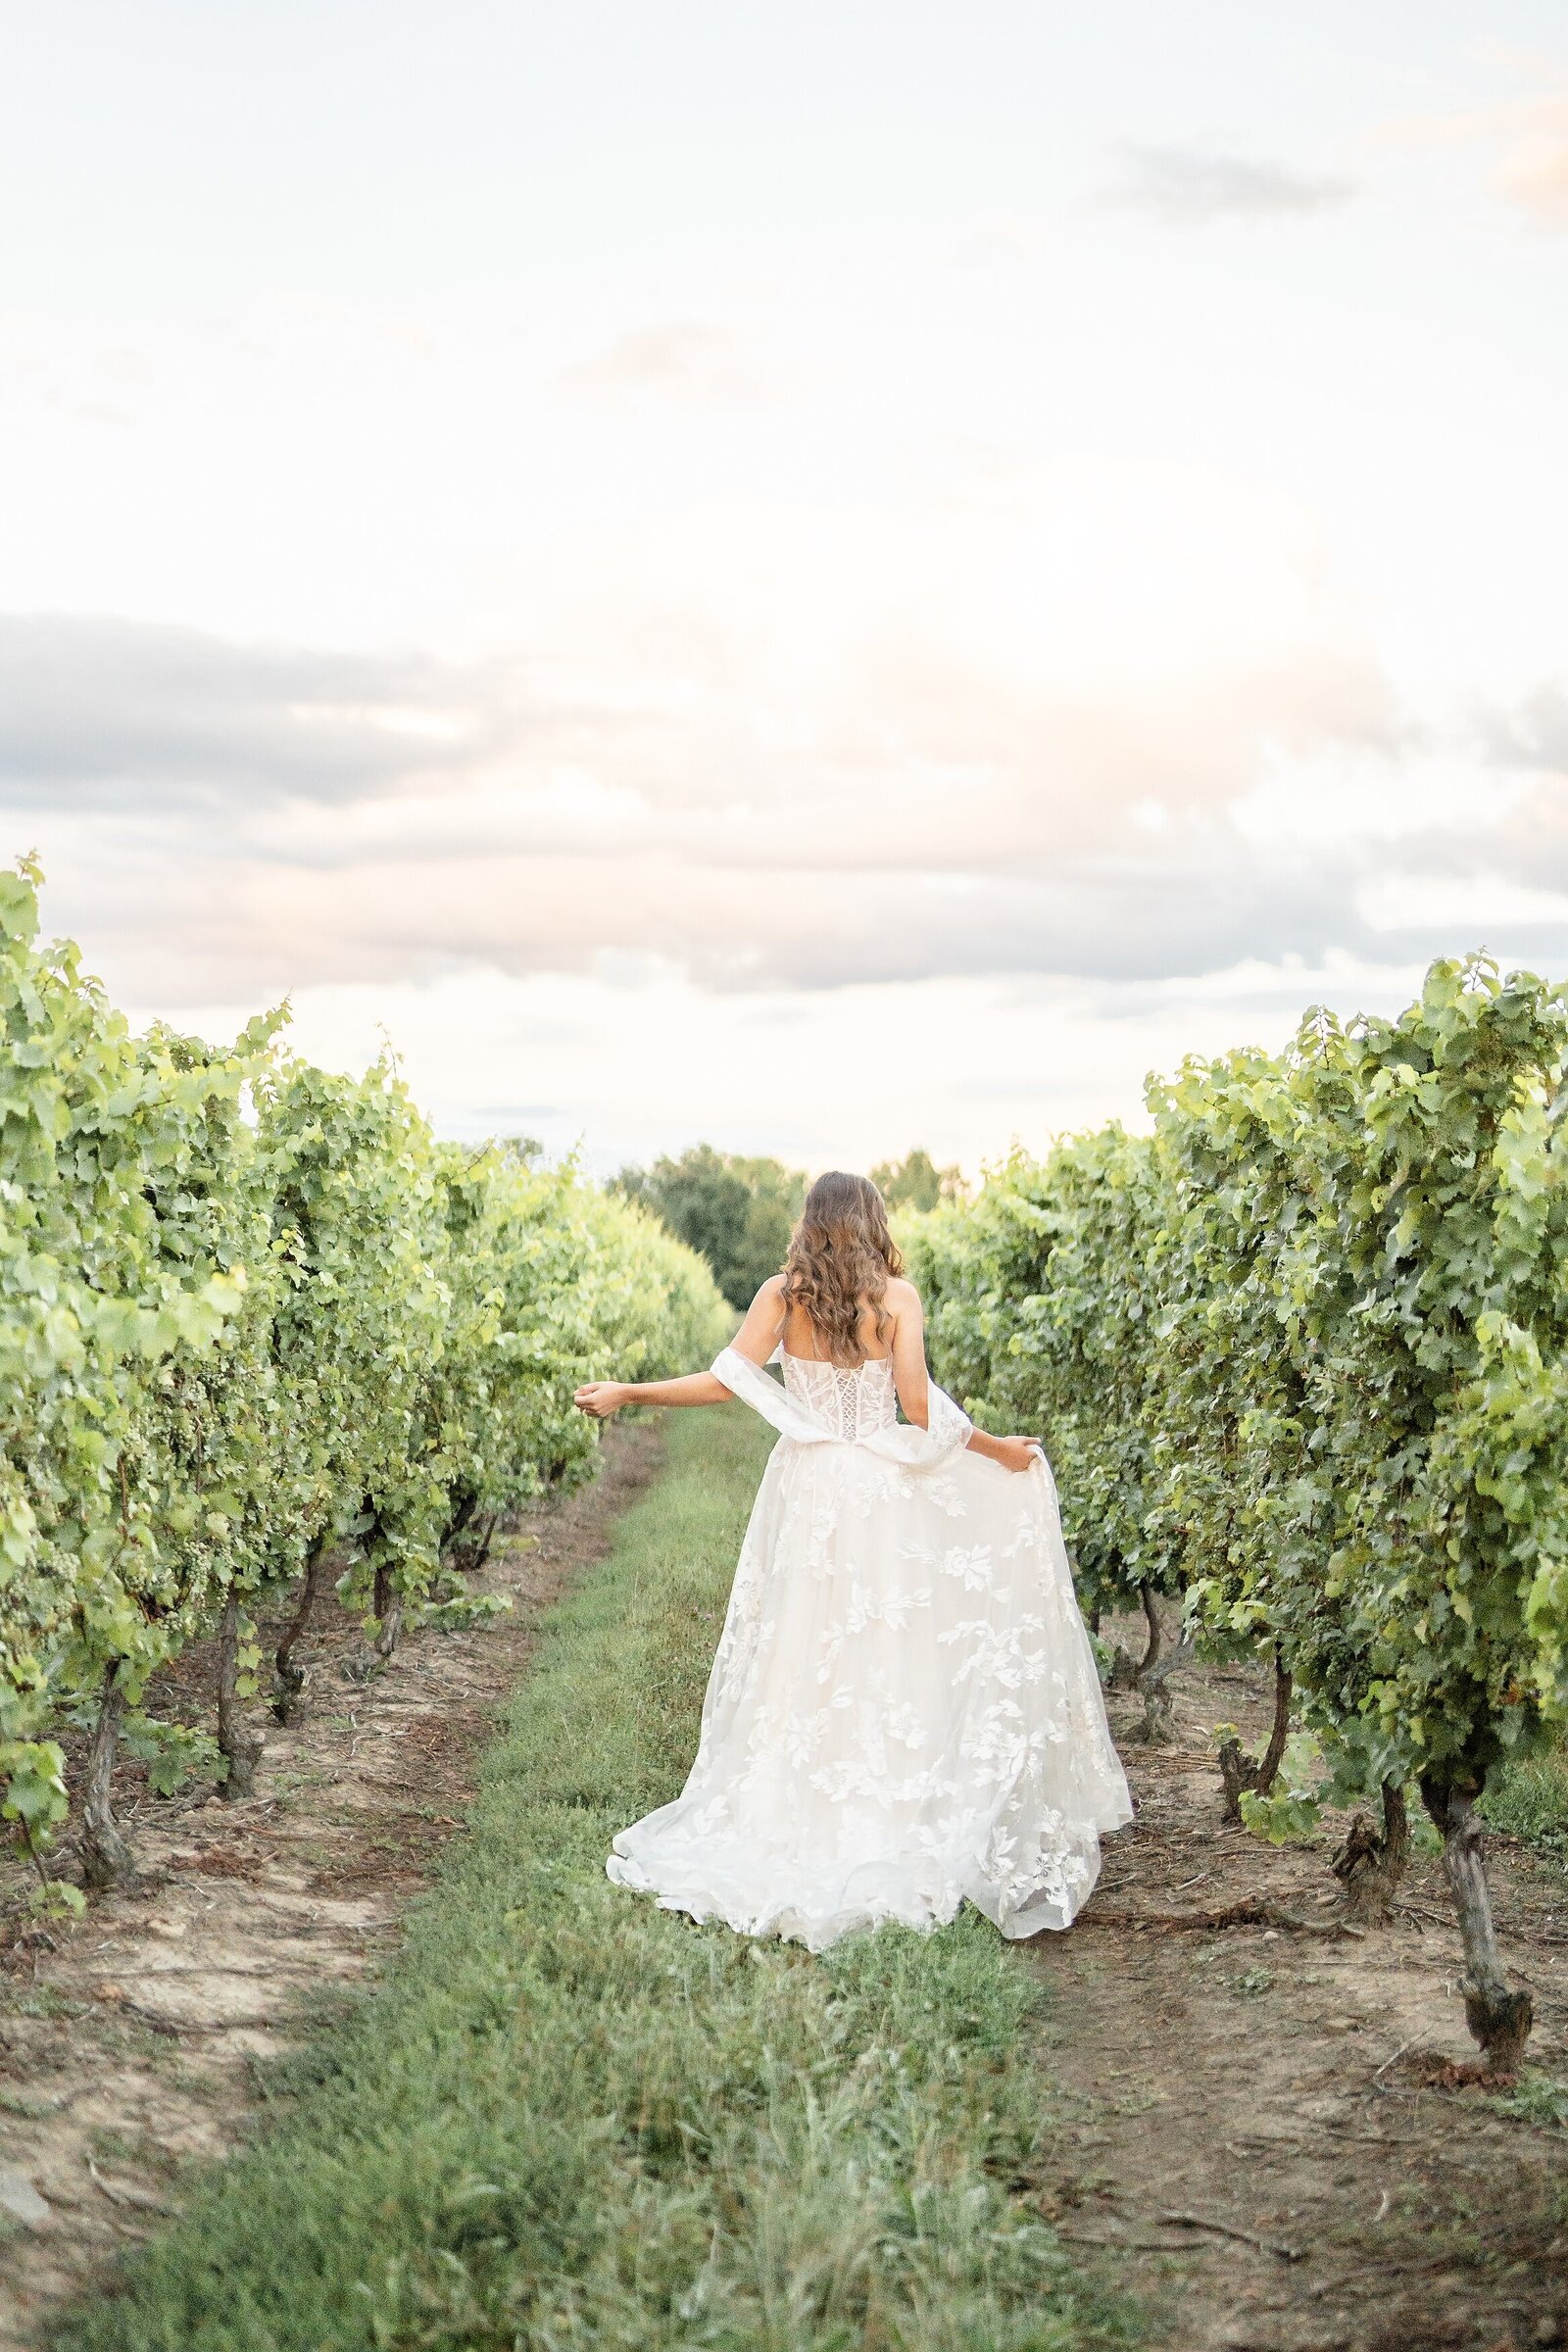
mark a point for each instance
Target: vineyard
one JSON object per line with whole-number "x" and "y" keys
{"x": 261, "y": 1334}
{"x": 278, "y": 1361}
{"x": 1299, "y": 1359}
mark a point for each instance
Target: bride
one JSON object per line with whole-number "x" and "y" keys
{"x": 903, "y": 1709}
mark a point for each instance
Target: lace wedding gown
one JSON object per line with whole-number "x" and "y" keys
{"x": 904, "y": 1708}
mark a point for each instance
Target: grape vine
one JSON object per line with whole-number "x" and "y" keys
{"x": 258, "y": 1328}
{"x": 1300, "y": 1357}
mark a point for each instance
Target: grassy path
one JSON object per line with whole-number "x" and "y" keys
{"x": 570, "y": 2119}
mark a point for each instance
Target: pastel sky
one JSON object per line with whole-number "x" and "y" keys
{"x": 822, "y": 577}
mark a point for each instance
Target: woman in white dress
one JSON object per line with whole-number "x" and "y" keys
{"x": 904, "y": 1708}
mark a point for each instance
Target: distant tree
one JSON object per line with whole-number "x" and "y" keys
{"x": 917, "y": 1182}
{"x": 737, "y": 1212}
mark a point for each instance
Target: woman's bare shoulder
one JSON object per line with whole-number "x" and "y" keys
{"x": 902, "y": 1296}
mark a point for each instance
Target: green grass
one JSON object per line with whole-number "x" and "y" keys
{"x": 1530, "y": 1800}
{"x": 570, "y": 2119}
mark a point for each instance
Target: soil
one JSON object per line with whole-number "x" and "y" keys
{"x": 1254, "y": 2120}
{"x": 130, "y": 2043}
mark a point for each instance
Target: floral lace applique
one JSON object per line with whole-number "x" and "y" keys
{"x": 895, "y": 1721}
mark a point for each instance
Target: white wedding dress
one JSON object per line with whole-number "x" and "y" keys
{"x": 904, "y": 1708}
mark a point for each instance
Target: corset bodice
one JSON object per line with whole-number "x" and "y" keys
{"x": 852, "y": 1401}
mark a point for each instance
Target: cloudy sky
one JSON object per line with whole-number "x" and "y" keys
{"x": 824, "y": 578}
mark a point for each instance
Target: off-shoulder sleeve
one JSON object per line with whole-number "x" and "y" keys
{"x": 948, "y": 1429}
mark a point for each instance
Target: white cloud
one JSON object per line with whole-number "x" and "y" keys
{"x": 1527, "y": 137}
{"x": 97, "y": 707}
{"x": 684, "y": 361}
{"x": 1534, "y": 169}
{"x": 994, "y": 237}
{"x": 1191, "y": 187}
{"x": 1092, "y": 727}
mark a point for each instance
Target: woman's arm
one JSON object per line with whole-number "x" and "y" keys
{"x": 913, "y": 1383}
{"x": 601, "y": 1397}
{"x": 909, "y": 1375}
{"x": 756, "y": 1340}
{"x": 1013, "y": 1453}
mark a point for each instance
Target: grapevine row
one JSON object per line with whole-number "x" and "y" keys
{"x": 258, "y": 1328}
{"x": 1300, "y": 1357}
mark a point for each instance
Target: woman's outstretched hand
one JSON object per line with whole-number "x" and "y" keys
{"x": 600, "y": 1397}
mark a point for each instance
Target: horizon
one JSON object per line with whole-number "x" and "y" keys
{"x": 574, "y": 1150}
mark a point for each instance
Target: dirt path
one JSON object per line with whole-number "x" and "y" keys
{"x": 1269, "y": 2084}
{"x": 128, "y": 2044}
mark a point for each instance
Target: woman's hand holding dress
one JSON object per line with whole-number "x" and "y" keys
{"x": 1013, "y": 1453}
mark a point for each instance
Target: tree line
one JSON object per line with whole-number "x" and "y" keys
{"x": 737, "y": 1212}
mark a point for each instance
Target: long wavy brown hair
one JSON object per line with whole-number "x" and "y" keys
{"x": 841, "y": 1257}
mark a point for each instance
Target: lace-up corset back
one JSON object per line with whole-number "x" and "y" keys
{"x": 852, "y": 1401}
